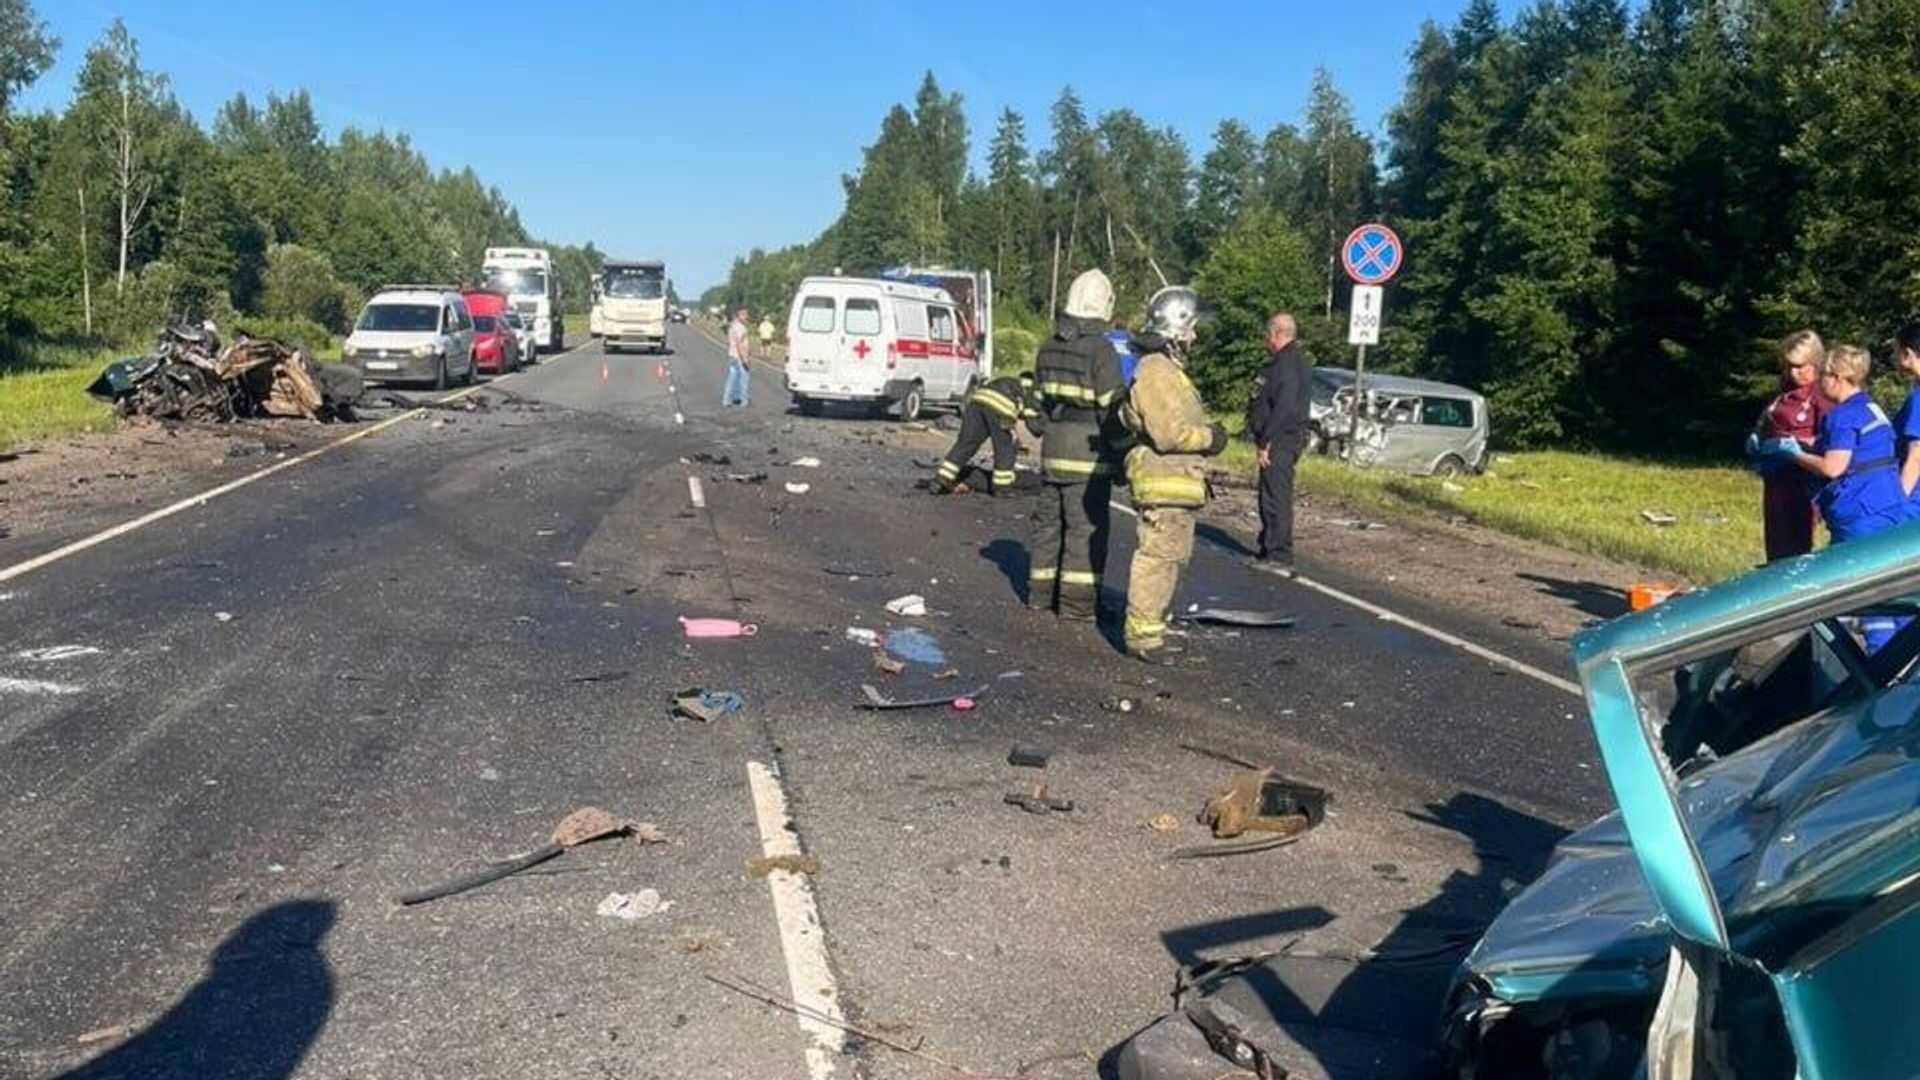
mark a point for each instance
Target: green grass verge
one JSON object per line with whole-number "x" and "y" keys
{"x": 1587, "y": 503}
{"x": 48, "y": 397}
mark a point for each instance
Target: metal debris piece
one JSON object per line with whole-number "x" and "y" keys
{"x": 188, "y": 376}
{"x": 762, "y": 865}
{"x": 1027, "y": 757}
{"x": 876, "y": 700}
{"x": 1039, "y": 800}
{"x": 583, "y": 825}
{"x": 1257, "y": 620}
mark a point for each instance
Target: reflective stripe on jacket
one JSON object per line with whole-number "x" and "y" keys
{"x": 1005, "y": 398}
{"x": 1077, "y": 383}
{"x": 1168, "y": 467}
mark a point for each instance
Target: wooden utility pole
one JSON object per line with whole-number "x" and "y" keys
{"x": 1053, "y": 291}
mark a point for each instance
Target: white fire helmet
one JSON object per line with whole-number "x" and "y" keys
{"x": 1090, "y": 296}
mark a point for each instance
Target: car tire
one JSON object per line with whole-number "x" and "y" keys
{"x": 441, "y": 381}
{"x": 910, "y": 404}
{"x": 1449, "y": 466}
{"x": 809, "y": 406}
{"x": 473, "y": 370}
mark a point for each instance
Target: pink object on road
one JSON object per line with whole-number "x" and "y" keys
{"x": 963, "y": 704}
{"x": 717, "y": 628}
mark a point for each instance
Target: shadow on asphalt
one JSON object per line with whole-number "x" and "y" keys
{"x": 261, "y": 1005}
{"x": 1587, "y": 597}
{"x": 1011, "y": 557}
{"x": 1223, "y": 539}
{"x": 1351, "y": 1009}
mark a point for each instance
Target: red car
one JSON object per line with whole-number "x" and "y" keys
{"x": 495, "y": 350}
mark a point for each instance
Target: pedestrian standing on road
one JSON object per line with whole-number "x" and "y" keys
{"x": 1906, "y": 422}
{"x": 1277, "y": 421}
{"x": 1166, "y": 469}
{"x": 739, "y": 351}
{"x": 1077, "y": 388}
{"x": 766, "y": 337}
{"x": 1795, "y": 413}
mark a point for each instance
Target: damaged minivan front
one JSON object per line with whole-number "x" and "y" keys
{"x": 1753, "y": 907}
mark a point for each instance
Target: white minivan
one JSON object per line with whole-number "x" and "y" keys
{"x": 879, "y": 342}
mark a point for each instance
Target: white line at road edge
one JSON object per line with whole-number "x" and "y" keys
{"x": 191, "y": 501}
{"x": 801, "y": 937}
{"x": 1435, "y": 633}
{"x": 695, "y": 493}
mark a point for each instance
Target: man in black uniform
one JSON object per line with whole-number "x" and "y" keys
{"x": 989, "y": 413}
{"x": 1277, "y": 420}
{"x": 1077, "y": 389}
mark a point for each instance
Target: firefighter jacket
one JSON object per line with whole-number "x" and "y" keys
{"x": 1004, "y": 400}
{"x": 1078, "y": 386}
{"x": 1167, "y": 467}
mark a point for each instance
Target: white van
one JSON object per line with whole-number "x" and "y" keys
{"x": 879, "y": 342}
{"x": 413, "y": 333}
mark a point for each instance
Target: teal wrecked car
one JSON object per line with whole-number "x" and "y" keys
{"x": 1751, "y": 910}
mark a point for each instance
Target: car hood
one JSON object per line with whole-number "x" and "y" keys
{"x": 1796, "y": 832}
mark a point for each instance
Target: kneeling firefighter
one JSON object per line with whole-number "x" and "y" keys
{"x": 1166, "y": 468}
{"x": 1077, "y": 387}
{"x": 989, "y": 413}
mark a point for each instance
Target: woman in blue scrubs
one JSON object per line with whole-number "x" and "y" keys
{"x": 1855, "y": 456}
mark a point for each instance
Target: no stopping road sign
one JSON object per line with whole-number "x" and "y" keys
{"x": 1372, "y": 254}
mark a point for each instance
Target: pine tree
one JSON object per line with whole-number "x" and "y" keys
{"x": 1340, "y": 187}
{"x": 1011, "y": 208}
{"x": 1228, "y": 184}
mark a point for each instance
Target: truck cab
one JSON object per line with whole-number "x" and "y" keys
{"x": 633, "y": 304}
{"x": 526, "y": 276}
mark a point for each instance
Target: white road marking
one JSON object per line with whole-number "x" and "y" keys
{"x": 679, "y": 418}
{"x": 52, "y": 653}
{"x": 801, "y": 937}
{"x": 190, "y": 502}
{"x": 1385, "y": 615}
{"x": 696, "y": 493}
{"x": 34, "y": 686}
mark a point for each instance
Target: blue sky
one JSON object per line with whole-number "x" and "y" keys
{"x": 694, "y": 132}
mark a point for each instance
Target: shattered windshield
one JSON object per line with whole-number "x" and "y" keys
{"x": 635, "y": 284}
{"x": 400, "y": 318}
{"x": 518, "y": 282}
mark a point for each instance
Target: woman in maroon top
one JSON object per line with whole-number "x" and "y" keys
{"x": 1794, "y": 414}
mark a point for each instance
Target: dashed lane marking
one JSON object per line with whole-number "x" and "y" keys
{"x": 696, "y": 493}
{"x": 53, "y": 653}
{"x": 1437, "y": 634}
{"x": 39, "y": 562}
{"x": 35, "y": 686}
{"x": 802, "y": 939}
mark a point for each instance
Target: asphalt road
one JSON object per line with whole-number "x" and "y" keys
{"x": 401, "y": 660}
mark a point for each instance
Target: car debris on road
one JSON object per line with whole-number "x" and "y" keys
{"x": 1039, "y": 800}
{"x": 587, "y": 824}
{"x": 188, "y": 376}
{"x": 705, "y": 705}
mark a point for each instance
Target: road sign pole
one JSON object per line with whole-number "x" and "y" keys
{"x": 1359, "y": 396}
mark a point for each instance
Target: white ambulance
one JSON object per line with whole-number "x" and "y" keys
{"x": 883, "y": 343}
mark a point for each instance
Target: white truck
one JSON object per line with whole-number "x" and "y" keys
{"x": 526, "y": 276}
{"x": 633, "y": 304}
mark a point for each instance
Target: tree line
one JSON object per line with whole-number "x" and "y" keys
{"x": 121, "y": 212}
{"x": 1610, "y": 217}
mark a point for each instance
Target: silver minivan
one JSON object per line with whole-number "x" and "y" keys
{"x": 414, "y": 334}
{"x": 1421, "y": 426}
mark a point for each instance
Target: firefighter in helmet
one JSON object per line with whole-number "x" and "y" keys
{"x": 1166, "y": 468}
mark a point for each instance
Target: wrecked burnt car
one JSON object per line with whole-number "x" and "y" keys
{"x": 1751, "y": 910}
{"x": 188, "y": 376}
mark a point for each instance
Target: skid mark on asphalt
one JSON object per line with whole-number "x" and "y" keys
{"x": 194, "y": 501}
{"x": 809, "y": 975}
{"x": 1418, "y": 627}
